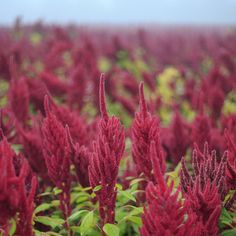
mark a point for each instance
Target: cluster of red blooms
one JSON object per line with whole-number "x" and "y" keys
{"x": 145, "y": 130}
{"x": 53, "y": 101}
{"x": 57, "y": 152}
{"x": 18, "y": 187}
{"x": 107, "y": 152}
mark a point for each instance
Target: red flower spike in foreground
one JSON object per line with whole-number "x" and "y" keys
{"x": 206, "y": 188}
{"x": 165, "y": 214}
{"x": 57, "y": 153}
{"x": 231, "y": 168}
{"x": 104, "y": 160}
{"x": 24, "y": 225}
{"x": 18, "y": 189}
{"x": 145, "y": 129}
{"x": 9, "y": 199}
{"x": 208, "y": 167}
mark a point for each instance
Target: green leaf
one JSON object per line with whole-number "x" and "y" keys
{"x": 42, "y": 207}
{"x": 57, "y": 191}
{"x": 75, "y": 229}
{"x": 135, "y": 181}
{"x": 135, "y": 219}
{"x": 111, "y": 230}
{"x": 50, "y": 233}
{"x": 97, "y": 188}
{"x": 37, "y": 233}
{"x": 17, "y": 147}
{"x": 225, "y": 216}
{"x": 45, "y": 220}
{"x": 45, "y": 194}
{"x": 128, "y": 195}
{"x": 13, "y": 227}
{"x": 76, "y": 215}
{"x": 87, "y": 223}
{"x": 55, "y": 203}
{"x": 136, "y": 211}
{"x": 119, "y": 186}
{"x": 231, "y": 232}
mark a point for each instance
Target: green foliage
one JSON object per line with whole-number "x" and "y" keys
{"x": 111, "y": 230}
{"x": 230, "y": 232}
{"x": 52, "y": 222}
{"x": 227, "y": 219}
{"x": 87, "y": 223}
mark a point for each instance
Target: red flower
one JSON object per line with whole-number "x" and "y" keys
{"x": 18, "y": 188}
{"x": 57, "y": 153}
{"x": 145, "y": 129}
{"x": 105, "y": 158}
{"x": 177, "y": 138}
{"x": 206, "y": 188}
{"x": 231, "y": 168}
{"x": 165, "y": 214}
{"x": 201, "y": 130}
{"x": 19, "y": 99}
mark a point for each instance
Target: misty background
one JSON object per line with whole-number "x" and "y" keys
{"x": 199, "y": 12}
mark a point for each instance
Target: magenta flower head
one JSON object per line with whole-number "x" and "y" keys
{"x": 178, "y": 138}
{"x": 206, "y": 188}
{"x": 32, "y": 142}
{"x": 105, "y": 158}
{"x": 9, "y": 198}
{"x": 231, "y": 168}
{"x": 19, "y": 99}
{"x": 145, "y": 129}
{"x": 57, "y": 153}
{"x": 201, "y": 131}
{"x": 27, "y": 189}
{"x": 18, "y": 187}
{"x": 165, "y": 213}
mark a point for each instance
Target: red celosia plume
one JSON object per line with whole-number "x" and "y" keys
{"x": 105, "y": 158}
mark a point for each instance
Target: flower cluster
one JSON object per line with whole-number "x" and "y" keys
{"x": 18, "y": 187}
{"x": 166, "y": 214}
{"x": 105, "y": 158}
{"x": 145, "y": 129}
{"x": 206, "y": 188}
{"x": 58, "y": 154}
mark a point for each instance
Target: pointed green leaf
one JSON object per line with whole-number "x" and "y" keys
{"x": 135, "y": 219}
{"x": 111, "y": 230}
{"x": 128, "y": 195}
{"x": 76, "y": 215}
{"x": 97, "y": 188}
{"x": 231, "y": 232}
{"x": 42, "y": 207}
{"x": 45, "y": 220}
{"x": 87, "y": 223}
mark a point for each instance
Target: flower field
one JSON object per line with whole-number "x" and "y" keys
{"x": 117, "y": 131}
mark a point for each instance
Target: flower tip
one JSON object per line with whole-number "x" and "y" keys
{"x": 102, "y": 101}
{"x": 143, "y": 105}
{"x": 68, "y": 135}
{"x": 12, "y": 67}
{"x": 46, "y": 105}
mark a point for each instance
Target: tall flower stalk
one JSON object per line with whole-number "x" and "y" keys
{"x": 145, "y": 129}
{"x": 58, "y": 153}
{"x": 105, "y": 159}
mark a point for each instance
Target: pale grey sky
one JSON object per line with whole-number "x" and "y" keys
{"x": 120, "y": 11}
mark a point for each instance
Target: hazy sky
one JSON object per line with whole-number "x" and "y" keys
{"x": 120, "y": 11}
